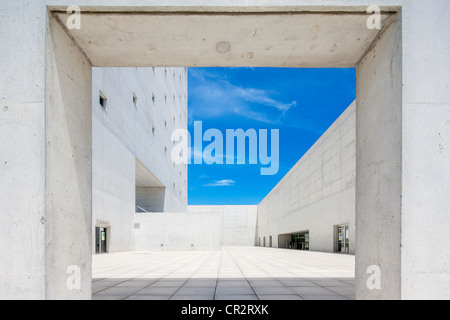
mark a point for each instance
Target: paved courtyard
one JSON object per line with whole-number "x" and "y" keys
{"x": 234, "y": 273}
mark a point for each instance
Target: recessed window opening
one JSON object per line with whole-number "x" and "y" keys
{"x": 102, "y": 100}
{"x": 134, "y": 99}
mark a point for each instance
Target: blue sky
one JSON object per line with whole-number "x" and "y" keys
{"x": 300, "y": 103}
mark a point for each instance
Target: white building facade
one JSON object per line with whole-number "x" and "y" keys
{"x": 134, "y": 112}
{"x": 313, "y": 206}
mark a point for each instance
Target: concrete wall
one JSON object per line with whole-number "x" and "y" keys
{"x": 201, "y": 228}
{"x": 176, "y": 231}
{"x": 238, "y": 223}
{"x": 425, "y": 202}
{"x": 124, "y": 132}
{"x": 318, "y": 192}
{"x": 22, "y": 151}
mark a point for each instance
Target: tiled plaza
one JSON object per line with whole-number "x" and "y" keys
{"x": 235, "y": 273}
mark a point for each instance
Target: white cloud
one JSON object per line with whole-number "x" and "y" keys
{"x": 214, "y": 96}
{"x": 220, "y": 183}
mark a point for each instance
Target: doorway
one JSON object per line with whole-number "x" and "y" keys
{"x": 300, "y": 241}
{"x": 101, "y": 240}
{"x": 342, "y": 239}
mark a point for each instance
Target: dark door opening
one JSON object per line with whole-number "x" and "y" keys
{"x": 300, "y": 241}
{"x": 342, "y": 239}
{"x": 101, "y": 235}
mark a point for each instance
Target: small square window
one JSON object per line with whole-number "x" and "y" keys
{"x": 102, "y": 100}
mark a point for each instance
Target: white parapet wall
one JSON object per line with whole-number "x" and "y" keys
{"x": 202, "y": 228}
{"x": 238, "y": 223}
{"x": 176, "y": 231}
{"x": 318, "y": 193}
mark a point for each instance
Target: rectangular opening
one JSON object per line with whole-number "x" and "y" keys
{"x": 101, "y": 240}
{"x": 296, "y": 240}
{"x": 102, "y": 100}
{"x": 341, "y": 239}
{"x": 306, "y": 236}
{"x": 134, "y": 100}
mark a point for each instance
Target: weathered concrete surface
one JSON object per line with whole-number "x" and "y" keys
{"x": 22, "y": 150}
{"x": 68, "y": 175}
{"x": 318, "y": 193}
{"x": 279, "y": 40}
{"x": 378, "y": 165}
{"x": 425, "y": 253}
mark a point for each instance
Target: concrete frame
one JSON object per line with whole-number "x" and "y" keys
{"x": 403, "y": 130}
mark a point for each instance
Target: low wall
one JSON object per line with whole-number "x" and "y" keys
{"x": 202, "y": 228}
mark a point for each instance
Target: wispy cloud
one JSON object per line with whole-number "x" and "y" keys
{"x": 220, "y": 183}
{"x": 215, "y": 96}
{"x": 195, "y": 153}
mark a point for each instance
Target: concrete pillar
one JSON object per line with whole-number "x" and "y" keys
{"x": 68, "y": 175}
{"x": 378, "y": 165}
